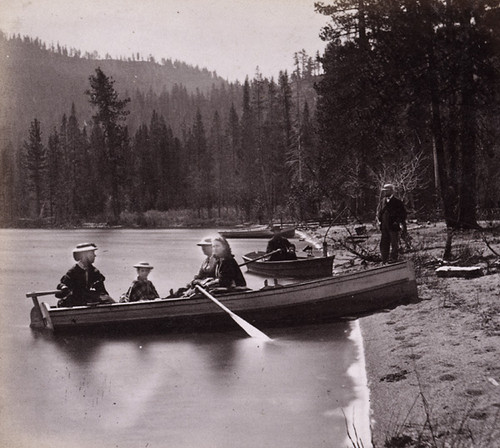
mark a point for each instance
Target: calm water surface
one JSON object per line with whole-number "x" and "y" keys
{"x": 206, "y": 390}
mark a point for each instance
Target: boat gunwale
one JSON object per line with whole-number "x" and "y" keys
{"x": 216, "y": 313}
{"x": 238, "y": 296}
{"x": 265, "y": 232}
{"x": 298, "y": 260}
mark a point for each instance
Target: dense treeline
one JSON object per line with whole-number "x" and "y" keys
{"x": 408, "y": 94}
{"x": 180, "y": 149}
{"x": 233, "y": 160}
{"x": 411, "y": 94}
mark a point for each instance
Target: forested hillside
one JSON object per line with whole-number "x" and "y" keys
{"x": 43, "y": 82}
{"x": 186, "y": 139}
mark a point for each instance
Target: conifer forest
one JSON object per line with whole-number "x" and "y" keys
{"x": 406, "y": 92}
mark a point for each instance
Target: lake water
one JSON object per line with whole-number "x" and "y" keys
{"x": 193, "y": 390}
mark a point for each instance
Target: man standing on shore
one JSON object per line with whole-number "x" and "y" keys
{"x": 392, "y": 220}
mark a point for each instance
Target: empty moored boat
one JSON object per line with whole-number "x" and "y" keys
{"x": 258, "y": 232}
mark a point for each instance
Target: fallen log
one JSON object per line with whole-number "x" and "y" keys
{"x": 459, "y": 271}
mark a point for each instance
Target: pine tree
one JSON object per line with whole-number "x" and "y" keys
{"x": 110, "y": 115}
{"x": 7, "y": 179}
{"x": 249, "y": 168}
{"x": 233, "y": 136}
{"x": 97, "y": 160}
{"x": 56, "y": 178}
{"x": 75, "y": 155}
{"x": 161, "y": 147}
{"x": 221, "y": 162}
{"x": 36, "y": 165}
{"x": 274, "y": 149}
{"x": 143, "y": 196}
{"x": 262, "y": 189}
{"x": 285, "y": 141}
{"x": 234, "y": 155}
{"x": 201, "y": 166}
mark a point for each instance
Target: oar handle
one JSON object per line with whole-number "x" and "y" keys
{"x": 41, "y": 293}
{"x": 260, "y": 258}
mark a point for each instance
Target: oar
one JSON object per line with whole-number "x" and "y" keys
{"x": 34, "y": 296}
{"x": 260, "y": 258}
{"x": 250, "y": 329}
{"x": 41, "y": 293}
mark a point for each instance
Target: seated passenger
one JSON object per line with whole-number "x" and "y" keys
{"x": 207, "y": 269}
{"x": 141, "y": 288}
{"x": 227, "y": 272}
{"x": 278, "y": 242}
{"x": 83, "y": 283}
{"x": 206, "y": 272}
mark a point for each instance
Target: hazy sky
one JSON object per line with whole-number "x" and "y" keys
{"x": 232, "y": 37}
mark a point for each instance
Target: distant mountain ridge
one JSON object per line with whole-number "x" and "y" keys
{"x": 39, "y": 82}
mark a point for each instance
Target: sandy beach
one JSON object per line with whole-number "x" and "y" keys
{"x": 433, "y": 367}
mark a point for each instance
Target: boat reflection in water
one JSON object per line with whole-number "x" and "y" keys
{"x": 210, "y": 389}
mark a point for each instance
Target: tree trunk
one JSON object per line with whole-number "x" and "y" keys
{"x": 467, "y": 204}
{"x": 437, "y": 134}
{"x": 448, "y": 245}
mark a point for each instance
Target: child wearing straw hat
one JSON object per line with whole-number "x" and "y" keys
{"x": 141, "y": 288}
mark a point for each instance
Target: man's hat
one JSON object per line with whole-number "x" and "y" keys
{"x": 143, "y": 264}
{"x": 207, "y": 241}
{"x": 84, "y": 247}
{"x": 387, "y": 187}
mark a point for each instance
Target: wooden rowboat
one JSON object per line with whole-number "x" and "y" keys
{"x": 307, "y": 302}
{"x": 302, "y": 267}
{"x": 257, "y": 232}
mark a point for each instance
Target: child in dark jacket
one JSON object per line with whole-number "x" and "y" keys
{"x": 141, "y": 288}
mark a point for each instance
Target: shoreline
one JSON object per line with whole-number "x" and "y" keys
{"x": 358, "y": 414}
{"x": 433, "y": 367}
{"x": 432, "y": 374}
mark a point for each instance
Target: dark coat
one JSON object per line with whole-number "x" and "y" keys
{"x": 229, "y": 273}
{"x": 287, "y": 249}
{"x": 83, "y": 286}
{"x": 392, "y": 215}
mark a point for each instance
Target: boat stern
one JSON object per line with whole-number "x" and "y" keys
{"x": 40, "y": 317}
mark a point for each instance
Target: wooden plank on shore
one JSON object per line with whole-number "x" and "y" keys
{"x": 459, "y": 271}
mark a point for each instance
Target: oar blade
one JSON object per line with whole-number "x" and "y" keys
{"x": 249, "y": 328}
